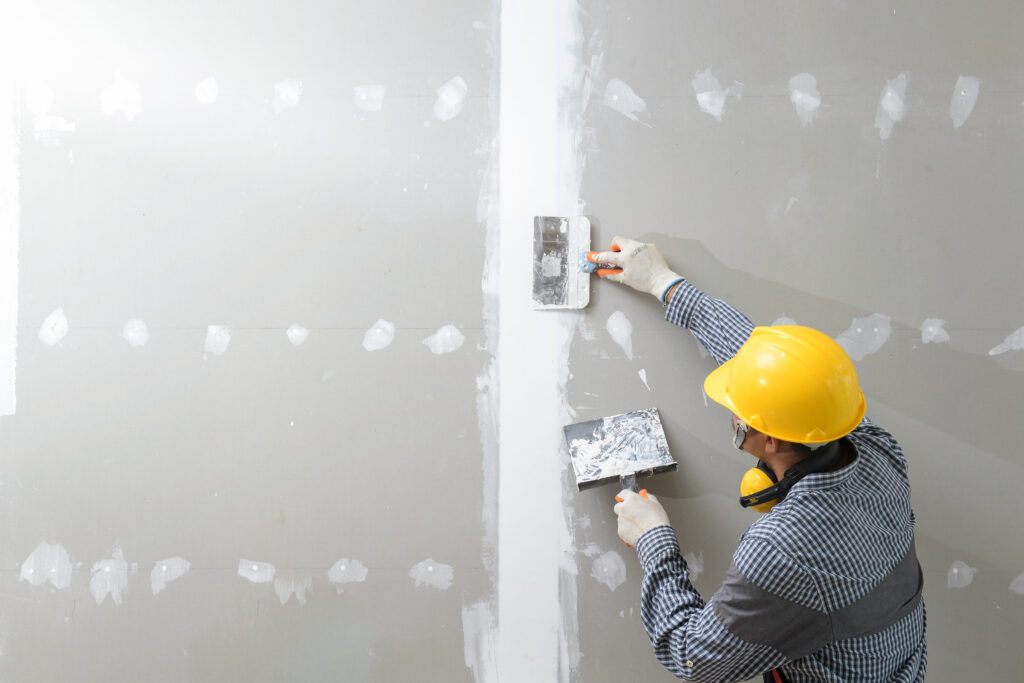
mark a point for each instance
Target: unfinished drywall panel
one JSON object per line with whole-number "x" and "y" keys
{"x": 250, "y": 325}
{"x": 849, "y": 166}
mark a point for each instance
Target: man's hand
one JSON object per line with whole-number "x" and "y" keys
{"x": 643, "y": 267}
{"x": 638, "y": 513}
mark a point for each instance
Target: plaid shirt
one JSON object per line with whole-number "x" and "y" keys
{"x": 828, "y": 550}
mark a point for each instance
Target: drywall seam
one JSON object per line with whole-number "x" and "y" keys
{"x": 9, "y": 215}
{"x": 539, "y": 174}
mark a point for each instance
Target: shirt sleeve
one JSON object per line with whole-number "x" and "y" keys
{"x": 688, "y": 637}
{"x": 719, "y": 327}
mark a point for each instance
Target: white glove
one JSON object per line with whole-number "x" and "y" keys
{"x": 643, "y": 267}
{"x": 638, "y": 513}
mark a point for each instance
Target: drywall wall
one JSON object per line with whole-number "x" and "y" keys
{"x": 851, "y": 166}
{"x": 246, "y": 443}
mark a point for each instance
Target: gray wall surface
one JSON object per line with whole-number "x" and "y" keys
{"x": 277, "y": 203}
{"x": 269, "y": 206}
{"x": 822, "y": 223}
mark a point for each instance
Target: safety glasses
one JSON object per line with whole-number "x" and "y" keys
{"x": 740, "y": 435}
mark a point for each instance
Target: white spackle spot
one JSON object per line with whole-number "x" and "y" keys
{"x": 299, "y": 587}
{"x": 621, "y": 331}
{"x": 370, "y": 97}
{"x": 346, "y": 571}
{"x": 379, "y": 336}
{"x": 287, "y": 95}
{"x": 960, "y": 575}
{"x": 695, "y": 563}
{"x": 784, "y": 320}
{"x": 479, "y": 636}
{"x": 109, "y": 577}
{"x": 217, "y": 339}
{"x": 865, "y": 335}
{"x": 38, "y": 101}
{"x": 450, "y": 98}
{"x": 168, "y": 570}
{"x": 47, "y": 563}
{"x": 609, "y": 569}
{"x": 620, "y": 97}
{"x": 206, "y": 91}
{"x": 965, "y": 96}
{"x": 891, "y": 108}
{"x": 433, "y": 574}
{"x": 257, "y": 572}
{"x": 710, "y": 94}
{"x": 1014, "y": 342}
{"x": 297, "y": 334}
{"x": 135, "y": 333}
{"x": 123, "y": 96}
{"x": 445, "y": 340}
{"x": 1017, "y": 585}
{"x": 54, "y": 328}
{"x": 643, "y": 377}
{"x": 803, "y": 93}
{"x": 933, "y": 332}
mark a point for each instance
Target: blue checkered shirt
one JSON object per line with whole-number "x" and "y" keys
{"x": 835, "y": 537}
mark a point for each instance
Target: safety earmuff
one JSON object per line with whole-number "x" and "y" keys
{"x": 761, "y": 490}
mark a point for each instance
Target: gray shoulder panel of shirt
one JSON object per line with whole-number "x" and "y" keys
{"x": 757, "y": 616}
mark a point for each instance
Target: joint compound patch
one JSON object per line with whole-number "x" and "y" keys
{"x": 370, "y": 97}
{"x": 695, "y": 563}
{"x": 621, "y": 330}
{"x": 891, "y": 106}
{"x": 54, "y": 328}
{"x": 711, "y": 95}
{"x": 432, "y": 574}
{"x": 109, "y": 577}
{"x": 123, "y": 97}
{"x": 865, "y": 336}
{"x": 165, "y": 571}
{"x": 965, "y": 96}
{"x": 933, "y": 332}
{"x": 346, "y": 571}
{"x": 960, "y": 575}
{"x": 379, "y": 336}
{"x": 256, "y": 572}
{"x": 299, "y": 587}
{"x": 445, "y": 340}
{"x": 803, "y": 93}
{"x": 450, "y": 98}
{"x": 47, "y": 563}
{"x": 287, "y": 95}
{"x": 217, "y": 339}
{"x": 1014, "y": 342}
{"x": 136, "y": 333}
{"x": 206, "y": 91}
{"x": 297, "y": 334}
{"x": 609, "y": 569}
{"x": 620, "y": 97}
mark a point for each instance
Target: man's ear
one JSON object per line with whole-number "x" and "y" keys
{"x": 771, "y": 444}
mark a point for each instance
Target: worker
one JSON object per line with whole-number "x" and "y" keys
{"x": 825, "y": 585}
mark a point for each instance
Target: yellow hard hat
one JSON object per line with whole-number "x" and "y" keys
{"x": 790, "y": 382}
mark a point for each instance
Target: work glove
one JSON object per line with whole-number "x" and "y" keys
{"x": 638, "y": 513}
{"x": 642, "y": 266}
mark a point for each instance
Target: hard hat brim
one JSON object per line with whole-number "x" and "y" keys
{"x": 717, "y": 383}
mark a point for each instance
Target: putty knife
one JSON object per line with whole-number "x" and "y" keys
{"x": 620, "y": 447}
{"x": 558, "y": 281}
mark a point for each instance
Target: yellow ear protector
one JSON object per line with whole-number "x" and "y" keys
{"x": 760, "y": 489}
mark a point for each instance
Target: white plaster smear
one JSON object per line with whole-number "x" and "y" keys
{"x": 217, "y": 339}
{"x": 609, "y": 569}
{"x": 165, "y": 571}
{"x": 450, "y": 98}
{"x": 933, "y": 331}
{"x": 478, "y": 634}
{"x": 710, "y": 94}
{"x": 346, "y": 571}
{"x": 1017, "y": 585}
{"x": 206, "y": 90}
{"x": 257, "y": 572}
{"x": 803, "y": 93}
{"x": 965, "y": 96}
{"x": 47, "y": 127}
{"x": 960, "y": 575}
{"x": 445, "y": 340}
{"x": 865, "y": 336}
{"x": 620, "y": 97}
{"x": 370, "y": 97}
{"x": 300, "y": 587}
{"x": 379, "y": 336}
{"x": 1014, "y": 342}
{"x": 643, "y": 377}
{"x": 297, "y": 334}
{"x": 10, "y": 223}
{"x": 123, "y": 97}
{"x": 621, "y": 330}
{"x": 54, "y": 328}
{"x": 287, "y": 95}
{"x": 784, "y": 320}
{"x": 47, "y": 563}
{"x": 135, "y": 333}
{"x": 891, "y": 106}
{"x": 433, "y": 574}
{"x": 109, "y": 577}
{"x": 695, "y": 563}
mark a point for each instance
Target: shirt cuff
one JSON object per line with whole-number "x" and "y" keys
{"x": 656, "y": 542}
{"x": 685, "y": 300}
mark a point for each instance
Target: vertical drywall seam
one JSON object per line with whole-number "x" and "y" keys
{"x": 538, "y": 174}
{"x": 9, "y": 211}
